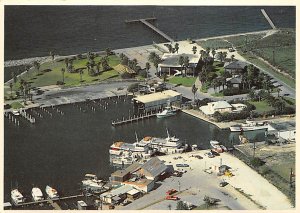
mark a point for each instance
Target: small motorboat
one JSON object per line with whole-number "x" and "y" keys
{"x": 16, "y": 197}
{"x": 37, "y": 194}
{"x": 51, "y": 192}
{"x": 168, "y": 111}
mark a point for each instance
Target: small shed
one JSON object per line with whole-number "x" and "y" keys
{"x": 133, "y": 194}
{"x": 81, "y": 205}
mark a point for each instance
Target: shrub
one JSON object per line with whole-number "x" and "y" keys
{"x": 126, "y": 75}
{"x": 59, "y": 83}
{"x": 234, "y": 91}
{"x": 257, "y": 162}
{"x": 133, "y": 87}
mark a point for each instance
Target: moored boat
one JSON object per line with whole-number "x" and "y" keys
{"x": 249, "y": 126}
{"x": 16, "y": 197}
{"x": 51, "y": 192}
{"x": 37, "y": 194}
{"x": 168, "y": 111}
{"x": 16, "y": 112}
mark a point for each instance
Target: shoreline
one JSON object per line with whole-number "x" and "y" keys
{"x": 43, "y": 59}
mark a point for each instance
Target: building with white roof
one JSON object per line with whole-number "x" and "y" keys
{"x": 157, "y": 100}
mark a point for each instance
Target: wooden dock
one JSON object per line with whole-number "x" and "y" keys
{"x": 268, "y": 19}
{"x": 51, "y": 201}
{"x": 151, "y": 26}
{"x": 132, "y": 119}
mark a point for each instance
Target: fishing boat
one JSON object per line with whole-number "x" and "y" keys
{"x": 37, "y": 194}
{"x": 92, "y": 183}
{"x": 168, "y": 111}
{"x": 249, "y": 126}
{"x": 16, "y": 197}
{"x": 51, "y": 192}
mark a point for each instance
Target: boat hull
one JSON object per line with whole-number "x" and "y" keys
{"x": 246, "y": 129}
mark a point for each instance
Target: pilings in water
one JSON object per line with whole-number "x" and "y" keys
{"x": 268, "y": 19}
{"x": 27, "y": 116}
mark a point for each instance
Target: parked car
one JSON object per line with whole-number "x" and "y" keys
{"x": 171, "y": 191}
{"x": 170, "y": 197}
{"x": 182, "y": 165}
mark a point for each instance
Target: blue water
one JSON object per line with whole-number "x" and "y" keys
{"x": 35, "y": 30}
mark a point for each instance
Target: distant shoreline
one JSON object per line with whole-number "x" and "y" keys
{"x": 43, "y": 59}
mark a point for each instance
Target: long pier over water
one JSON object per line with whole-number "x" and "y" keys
{"x": 151, "y": 26}
{"x": 268, "y": 19}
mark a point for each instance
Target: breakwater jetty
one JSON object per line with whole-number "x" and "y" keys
{"x": 268, "y": 19}
{"x": 151, "y": 26}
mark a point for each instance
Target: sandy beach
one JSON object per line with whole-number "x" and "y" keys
{"x": 246, "y": 190}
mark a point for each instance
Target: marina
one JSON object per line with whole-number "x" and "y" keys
{"x": 101, "y": 143}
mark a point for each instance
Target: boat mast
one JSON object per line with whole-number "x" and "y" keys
{"x": 136, "y": 137}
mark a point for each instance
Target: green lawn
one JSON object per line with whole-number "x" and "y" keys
{"x": 54, "y": 74}
{"x": 284, "y": 57}
{"x": 214, "y": 43}
{"x": 184, "y": 81}
{"x": 261, "y": 106}
{"x": 16, "y": 105}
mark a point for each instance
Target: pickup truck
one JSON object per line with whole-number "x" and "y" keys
{"x": 171, "y": 197}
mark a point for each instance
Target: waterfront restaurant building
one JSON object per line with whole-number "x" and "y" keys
{"x": 158, "y": 100}
{"x": 170, "y": 63}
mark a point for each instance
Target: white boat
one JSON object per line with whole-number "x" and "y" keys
{"x": 249, "y": 126}
{"x": 91, "y": 182}
{"x": 168, "y": 111}
{"x": 37, "y": 194}
{"x": 214, "y": 144}
{"x": 51, "y": 192}
{"x": 16, "y": 197}
{"x": 16, "y": 112}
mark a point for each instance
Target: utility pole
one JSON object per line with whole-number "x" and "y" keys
{"x": 178, "y": 186}
{"x": 273, "y": 57}
{"x": 254, "y": 147}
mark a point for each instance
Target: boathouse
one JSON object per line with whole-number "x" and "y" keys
{"x": 158, "y": 100}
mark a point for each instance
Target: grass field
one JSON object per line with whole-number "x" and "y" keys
{"x": 261, "y": 106}
{"x": 184, "y": 81}
{"x": 284, "y": 57}
{"x": 16, "y": 105}
{"x": 214, "y": 43}
{"x": 50, "y": 73}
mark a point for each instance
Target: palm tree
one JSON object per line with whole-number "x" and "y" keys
{"x": 186, "y": 62}
{"x": 10, "y": 86}
{"x": 108, "y": 51}
{"x": 215, "y": 84}
{"x": 207, "y": 50}
{"x": 194, "y": 49}
{"x": 37, "y": 66}
{"x": 232, "y": 57}
{"x": 176, "y": 47}
{"x": 181, "y": 62}
{"x": 80, "y": 73}
{"x": 278, "y": 91}
{"x": 67, "y": 62}
{"x": 194, "y": 90}
{"x": 122, "y": 56}
{"x": 51, "y": 55}
{"x": 148, "y": 66}
{"x": 213, "y": 52}
{"x": 63, "y": 74}
{"x": 155, "y": 63}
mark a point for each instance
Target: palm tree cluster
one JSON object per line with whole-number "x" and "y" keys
{"x": 132, "y": 64}
{"x": 155, "y": 59}
{"x": 184, "y": 63}
{"x": 206, "y": 63}
{"x": 25, "y": 90}
{"x": 172, "y": 49}
{"x": 221, "y": 56}
{"x": 37, "y": 66}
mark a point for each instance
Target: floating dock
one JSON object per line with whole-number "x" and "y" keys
{"x": 151, "y": 26}
{"x": 268, "y": 19}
